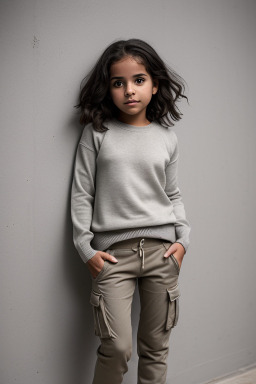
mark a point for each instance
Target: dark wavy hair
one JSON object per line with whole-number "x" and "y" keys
{"x": 96, "y": 104}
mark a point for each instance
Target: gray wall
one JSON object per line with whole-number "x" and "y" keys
{"x": 46, "y": 49}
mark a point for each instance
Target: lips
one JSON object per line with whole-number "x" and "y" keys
{"x": 132, "y": 102}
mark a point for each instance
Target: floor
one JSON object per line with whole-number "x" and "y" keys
{"x": 245, "y": 377}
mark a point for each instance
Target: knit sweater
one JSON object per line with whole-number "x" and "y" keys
{"x": 125, "y": 185}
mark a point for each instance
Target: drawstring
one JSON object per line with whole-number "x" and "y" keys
{"x": 141, "y": 252}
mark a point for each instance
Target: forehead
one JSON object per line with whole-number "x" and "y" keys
{"x": 127, "y": 67}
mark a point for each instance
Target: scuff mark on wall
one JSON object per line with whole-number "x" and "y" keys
{"x": 35, "y": 42}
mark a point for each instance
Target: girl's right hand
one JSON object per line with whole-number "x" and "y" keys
{"x": 95, "y": 264}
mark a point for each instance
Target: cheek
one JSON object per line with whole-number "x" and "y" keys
{"x": 115, "y": 95}
{"x": 148, "y": 92}
{"x": 149, "y": 96}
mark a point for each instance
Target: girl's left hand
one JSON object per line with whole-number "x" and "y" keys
{"x": 178, "y": 252}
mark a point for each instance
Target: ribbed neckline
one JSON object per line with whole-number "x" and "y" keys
{"x": 134, "y": 128}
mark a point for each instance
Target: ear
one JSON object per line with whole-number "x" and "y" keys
{"x": 155, "y": 87}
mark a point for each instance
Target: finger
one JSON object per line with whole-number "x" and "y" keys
{"x": 109, "y": 257}
{"x": 169, "y": 251}
{"x": 167, "y": 254}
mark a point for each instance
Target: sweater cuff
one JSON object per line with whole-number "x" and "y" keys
{"x": 182, "y": 236}
{"x": 184, "y": 242}
{"x": 86, "y": 253}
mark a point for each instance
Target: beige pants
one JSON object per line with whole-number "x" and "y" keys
{"x": 139, "y": 260}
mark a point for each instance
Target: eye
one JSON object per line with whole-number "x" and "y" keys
{"x": 118, "y": 84}
{"x": 140, "y": 80}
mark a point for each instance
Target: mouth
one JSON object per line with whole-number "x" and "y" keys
{"x": 131, "y": 102}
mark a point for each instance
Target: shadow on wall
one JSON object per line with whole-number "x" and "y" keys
{"x": 80, "y": 342}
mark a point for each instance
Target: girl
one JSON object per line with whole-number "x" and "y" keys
{"x": 128, "y": 216}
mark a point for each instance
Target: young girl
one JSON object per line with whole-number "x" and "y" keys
{"x": 128, "y": 216}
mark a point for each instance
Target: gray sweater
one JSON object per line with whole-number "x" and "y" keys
{"x": 125, "y": 186}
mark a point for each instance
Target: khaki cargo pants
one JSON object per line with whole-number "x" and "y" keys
{"x": 139, "y": 260}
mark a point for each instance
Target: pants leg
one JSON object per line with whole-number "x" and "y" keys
{"x": 114, "y": 353}
{"x": 112, "y": 294}
{"x": 158, "y": 287}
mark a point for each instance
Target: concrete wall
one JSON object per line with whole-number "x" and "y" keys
{"x": 46, "y": 49}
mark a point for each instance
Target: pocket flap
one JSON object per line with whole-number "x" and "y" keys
{"x": 174, "y": 292}
{"x": 95, "y": 298}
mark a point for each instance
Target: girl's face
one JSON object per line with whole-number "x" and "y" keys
{"x": 131, "y": 89}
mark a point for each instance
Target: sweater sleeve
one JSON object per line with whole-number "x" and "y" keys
{"x": 182, "y": 226}
{"x": 82, "y": 199}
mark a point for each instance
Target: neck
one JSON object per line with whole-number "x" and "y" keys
{"x": 139, "y": 121}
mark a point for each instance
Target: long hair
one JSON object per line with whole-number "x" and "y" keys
{"x": 95, "y": 103}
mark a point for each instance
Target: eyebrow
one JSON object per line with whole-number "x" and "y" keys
{"x": 121, "y": 77}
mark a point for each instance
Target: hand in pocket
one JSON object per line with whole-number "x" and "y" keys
{"x": 178, "y": 252}
{"x": 95, "y": 264}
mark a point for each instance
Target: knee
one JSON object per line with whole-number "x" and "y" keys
{"x": 153, "y": 344}
{"x": 122, "y": 350}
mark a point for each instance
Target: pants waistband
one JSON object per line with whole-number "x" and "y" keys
{"x": 135, "y": 242}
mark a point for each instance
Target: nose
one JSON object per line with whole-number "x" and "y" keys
{"x": 129, "y": 90}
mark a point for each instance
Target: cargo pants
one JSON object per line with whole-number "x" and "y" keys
{"x": 139, "y": 260}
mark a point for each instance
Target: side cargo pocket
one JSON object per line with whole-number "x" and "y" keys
{"x": 173, "y": 307}
{"x": 101, "y": 324}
